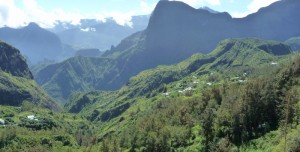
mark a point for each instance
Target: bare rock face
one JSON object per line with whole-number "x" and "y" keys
{"x": 11, "y": 61}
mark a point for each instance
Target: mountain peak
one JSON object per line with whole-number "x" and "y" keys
{"x": 208, "y": 9}
{"x": 33, "y": 25}
{"x": 179, "y": 12}
{"x": 171, "y": 5}
{"x": 34, "y": 42}
{"x": 12, "y": 62}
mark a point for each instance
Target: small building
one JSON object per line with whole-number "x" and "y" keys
{"x": 188, "y": 89}
{"x": 242, "y": 81}
{"x": 195, "y": 82}
{"x": 166, "y": 94}
{"x": 32, "y": 117}
{"x": 2, "y": 121}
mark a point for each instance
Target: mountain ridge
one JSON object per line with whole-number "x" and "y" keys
{"x": 16, "y": 81}
{"x": 34, "y": 42}
{"x": 231, "y": 57}
{"x": 99, "y": 34}
{"x": 12, "y": 62}
{"x": 176, "y": 31}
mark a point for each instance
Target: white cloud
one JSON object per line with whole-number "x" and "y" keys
{"x": 120, "y": 17}
{"x": 124, "y": 18}
{"x": 13, "y": 16}
{"x": 239, "y": 14}
{"x": 10, "y": 14}
{"x": 47, "y": 19}
{"x": 146, "y": 8}
{"x": 213, "y": 2}
{"x": 200, "y": 3}
{"x": 253, "y": 7}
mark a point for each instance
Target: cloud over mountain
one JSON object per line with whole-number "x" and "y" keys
{"x": 15, "y": 14}
{"x": 200, "y": 3}
{"x": 253, "y": 7}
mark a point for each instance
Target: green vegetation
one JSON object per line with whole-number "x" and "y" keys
{"x": 244, "y": 96}
{"x": 16, "y": 83}
{"x": 78, "y": 74}
{"x": 13, "y": 62}
{"x": 294, "y": 43}
{"x": 82, "y": 74}
{"x": 233, "y": 99}
{"x": 15, "y": 90}
{"x": 48, "y": 131}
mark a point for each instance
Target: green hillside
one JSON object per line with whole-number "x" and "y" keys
{"x": 195, "y": 80}
{"x": 294, "y": 43}
{"x": 81, "y": 74}
{"x": 29, "y": 119}
{"x": 31, "y": 128}
{"x": 200, "y": 103}
{"x": 241, "y": 97}
{"x": 78, "y": 74}
{"x": 16, "y": 81}
{"x": 231, "y": 58}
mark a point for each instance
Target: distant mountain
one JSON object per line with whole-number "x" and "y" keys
{"x": 16, "y": 81}
{"x": 175, "y": 32}
{"x": 177, "y": 26}
{"x": 34, "y": 42}
{"x": 88, "y": 53}
{"x": 209, "y": 9}
{"x": 98, "y": 34}
{"x": 80, "y": 74}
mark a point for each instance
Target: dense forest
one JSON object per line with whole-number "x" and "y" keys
{"x": 180, "y": 85}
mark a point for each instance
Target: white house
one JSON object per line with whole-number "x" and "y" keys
{"x": 188, "y": 89}
{"x": 2, "y": 121}
{"x": 166, "y": 94}
{"x": 195, "y": 82}
{"x": 32, "y": 117}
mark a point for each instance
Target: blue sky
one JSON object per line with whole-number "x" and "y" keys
{"x": 15, "y": 13}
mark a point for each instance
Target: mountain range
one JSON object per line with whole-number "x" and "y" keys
{"x": 175, "y": 32}
{"x": 34, "y": 42}
{"x": 164, "y": 88}
{"x": 91, "y": 33}
{"x": 61, "y": 42}
{"x": 233, "y": 97}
